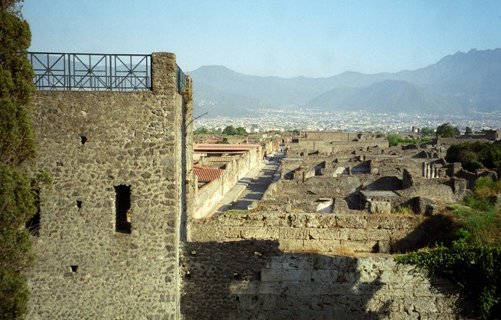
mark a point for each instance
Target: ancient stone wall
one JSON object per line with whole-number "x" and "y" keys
{"x": 209, "y": 196}
{"x": 109, "y": 229}
{"x": 329, "y": 233}
{"x": 255, "y": 279}
{"x": 304, "y": 147}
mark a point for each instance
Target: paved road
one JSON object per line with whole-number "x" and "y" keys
{"x": 251, "y": 188}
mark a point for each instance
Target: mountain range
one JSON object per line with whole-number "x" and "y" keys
{"x": 457, "y": 84}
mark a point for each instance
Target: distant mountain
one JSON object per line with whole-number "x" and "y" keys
{"x": 387, "y": 96}
{"x": 457, "y": 83}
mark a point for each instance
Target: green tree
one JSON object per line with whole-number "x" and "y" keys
{"x": 240, "y": 131}
{"x": 17, "y": 200}
{"x": 229, "y": 131}
{"x": 393, "y": 139}
{"x": 468, "y": 131}
{"x": 426, "y": 131}
{"x": 446, "y": 130}
{"x": 475, "y": 155}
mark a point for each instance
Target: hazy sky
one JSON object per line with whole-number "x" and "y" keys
{"x": 286, "y": 38}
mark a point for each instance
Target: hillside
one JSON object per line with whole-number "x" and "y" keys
{"x": 458, "y": 83}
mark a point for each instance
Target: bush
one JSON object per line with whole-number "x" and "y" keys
{"x": 472, "y": 268}
{"x": 481, "y": 217}
{"x": 231, "y": 131}
{"x": 473, "y": 260}
{"x": 475, "y": 155}
{"x": 395, "y": 139}
{"x": 16, "y": 88}
{"x": 17, "y": 200}
{"x": 13, "y": 295}
{"x": 447, "y": 131}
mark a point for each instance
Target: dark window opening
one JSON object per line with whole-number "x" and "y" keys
{"x": 74, "y": 268}
{"x": 79, "y": 204}
{"x": 33, "y": 225}
{"x": 122, "y": 208}
{"x": 83, "y": 139}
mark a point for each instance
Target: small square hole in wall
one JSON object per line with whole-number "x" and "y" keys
{"x": 74, "y": 269}
{"x": 79, "y": 204}
{"x": 83, "y": 139}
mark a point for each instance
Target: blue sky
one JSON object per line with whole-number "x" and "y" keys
{"x": 284, "y": 38}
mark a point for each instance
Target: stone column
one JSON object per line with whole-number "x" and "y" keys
{"x": 163, "y": 72}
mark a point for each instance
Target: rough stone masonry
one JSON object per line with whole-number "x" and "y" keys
{"x": 109, "y": 224}
{"x": 112, "y": 241}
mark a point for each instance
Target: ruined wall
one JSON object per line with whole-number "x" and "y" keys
{"x": 319, "y": 232}
{"x": 209, "y": 196}
{"x": 330, "y": 147}
{"x": 256, "y": 280}
{"x": 92, "y": 142}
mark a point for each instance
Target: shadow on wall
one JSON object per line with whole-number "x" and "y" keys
{"x": 388, "y": 183}
{"x": 255, "y": 280}
{"x": 437, "y": 229}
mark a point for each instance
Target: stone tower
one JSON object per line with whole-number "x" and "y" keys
{"x": 110, "y": 223}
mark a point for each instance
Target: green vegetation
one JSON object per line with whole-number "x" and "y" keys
{"x": 474, "y": 268}
{"x": 402, "y": 210}
{"x": 17, "y": 147}
{"x": 427, "y": 131}
{"x": 205, "y": 131}
{"x": 395, "y": 139}
{"x": 480, "y": 214}
{"x": 230, "y": 131}
{"x": 446, "y": 131}
{"x": 468, "y": 131}
{"x": 473, "y": 260}
{"x": 475, "y": 155}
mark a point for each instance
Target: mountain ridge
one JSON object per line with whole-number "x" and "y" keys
{"x": 458, "y": 83}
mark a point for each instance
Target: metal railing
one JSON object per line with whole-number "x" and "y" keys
{"x": 95, "y": 72}
{"x": 181, "y": 80}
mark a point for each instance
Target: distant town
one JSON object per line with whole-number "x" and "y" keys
{"x": 285, "y": 119}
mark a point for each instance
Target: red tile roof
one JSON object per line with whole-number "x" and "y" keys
{"x": 206, "y": 174}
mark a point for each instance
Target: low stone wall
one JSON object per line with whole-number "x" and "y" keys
{"x": 209, "y": 196}
{"x": 319, "y": 232}
{"x": 255, "y": 280}
{"x": 323, "y": 147}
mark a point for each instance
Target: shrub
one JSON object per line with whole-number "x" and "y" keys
{"x": 472, "y": 268}
{"x": 475, "y": 155}
{"x": 17, "y": 201}
{"x": 447, "y": 131}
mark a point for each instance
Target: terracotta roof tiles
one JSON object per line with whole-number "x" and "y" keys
{"x": 207, "y": 174}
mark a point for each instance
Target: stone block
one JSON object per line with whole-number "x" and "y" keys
{"x": 289, "y": 245}
{"x": 269, "y": 287}
{"x": 378, "y": 234}
{"x": 351, "y": 221}
{"x": 293, "y": 233}
{"x": 260, "y": 233}
{"x": 358, "y": 246}
{"x": 323, "y": 234}
{"x": 314, "y": 246}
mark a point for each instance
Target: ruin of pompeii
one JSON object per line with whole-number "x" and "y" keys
{"x": 161, "y": 193}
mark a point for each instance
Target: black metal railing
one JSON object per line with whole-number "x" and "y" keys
{"x": 181, "y": 80}
{"x": 95, "y": 72}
